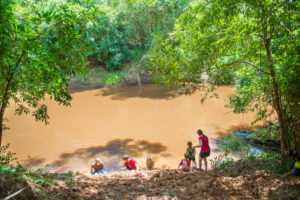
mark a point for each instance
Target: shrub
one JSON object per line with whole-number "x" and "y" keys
{"x": 6, "y": 157}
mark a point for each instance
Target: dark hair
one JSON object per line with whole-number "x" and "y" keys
{"x": 189, "y": 143}
{"x": 200, "y": 132}
{"x": 186, "y": 155}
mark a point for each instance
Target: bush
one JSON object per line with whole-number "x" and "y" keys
{"x": 112, "y": 79}
{"x": 233, "y": 143}
{"x": 222, "y": 162}
{"x": 6, "y": 157}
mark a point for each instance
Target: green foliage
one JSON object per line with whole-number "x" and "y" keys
{"x": 222, "y": 162}
{"x": 84, "y": 79}
{"x": 41, "y": 49}
{"x": 6, "y": 156}
{"x": 127, "y": 28}
{"x": 254, "y": 44}
{"x": 264, "y": 134}
{"x": 233, "y": 143}
{"x": 112, "y": 78}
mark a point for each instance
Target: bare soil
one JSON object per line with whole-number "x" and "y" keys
{"x": 246, "y": 180}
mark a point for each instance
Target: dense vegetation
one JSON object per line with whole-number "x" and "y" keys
{"x": 253, "y": 45}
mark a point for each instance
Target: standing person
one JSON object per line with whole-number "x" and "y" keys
{"x": 204, "y": 148}
{"x": 98, "y": 167}
{"x": 185, "y": 163}
{"x": 191, "y": 151}
{"x": 130, "y": 163}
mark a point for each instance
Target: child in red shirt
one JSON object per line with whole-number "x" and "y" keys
{"x": 130, "y": 163}
{"x": 185, "y": 163}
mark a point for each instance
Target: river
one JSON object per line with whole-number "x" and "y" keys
{"x": 108, "y": 123}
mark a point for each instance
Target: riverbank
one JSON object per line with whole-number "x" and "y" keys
{"x": 97, "y": 76}
{"x": 244, "y": 180}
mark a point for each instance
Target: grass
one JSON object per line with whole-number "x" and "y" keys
{"x": 13, "y": 176}
{"x": 112, "y": 78}
{"x": 233, "y": 143}
{"x": 99, "y": 78}
{"x": 264, "y": 134}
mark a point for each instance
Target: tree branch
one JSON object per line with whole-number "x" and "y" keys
{"x": 249, "y": 63}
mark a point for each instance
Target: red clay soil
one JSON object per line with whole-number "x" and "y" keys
{"x": 246, "y": 180}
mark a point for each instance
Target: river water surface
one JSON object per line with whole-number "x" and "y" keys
{"x": 108, "y": 123}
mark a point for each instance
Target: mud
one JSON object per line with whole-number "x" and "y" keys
{"x": 246, "y": 180}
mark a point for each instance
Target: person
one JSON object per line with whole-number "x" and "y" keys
{"x": 150, "y": 163}
{"x": 130, "y": 163}
{"x": 191, "y": 151}
{"x": 204, "y": 148}
{"x": 185, "y": 163}
{"x": 98, "y": 167}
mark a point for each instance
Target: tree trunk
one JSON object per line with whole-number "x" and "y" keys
{"x": 1, "y": 130}
{"x": 285, "y": 152}
{"x": 5, "y": 95}
{"x": 139, "y": 80}
{"x": 1, "y": 122}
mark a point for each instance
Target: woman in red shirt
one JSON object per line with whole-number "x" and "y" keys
{"x": 204, "y": 148}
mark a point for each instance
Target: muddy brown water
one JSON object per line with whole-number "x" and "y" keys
{"x": 108, "y": 123}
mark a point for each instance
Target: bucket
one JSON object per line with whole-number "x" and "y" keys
{"x": 297, "y": 169}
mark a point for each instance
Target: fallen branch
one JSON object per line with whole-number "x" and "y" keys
{"x": 14, "y": 194}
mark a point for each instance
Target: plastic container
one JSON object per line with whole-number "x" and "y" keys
{"x": 297, "y": 169}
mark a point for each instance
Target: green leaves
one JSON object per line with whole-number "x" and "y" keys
{"x": 252, "y": 44}
{"x": 41, "y": 49}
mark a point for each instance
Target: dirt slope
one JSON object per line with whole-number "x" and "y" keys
{"x": 246, "y": 180}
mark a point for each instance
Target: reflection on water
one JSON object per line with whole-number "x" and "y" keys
{"x": 100, "y": 121}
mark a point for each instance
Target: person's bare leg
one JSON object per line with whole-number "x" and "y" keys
{"x": 205, "y": 163}
{"x": 194, "y": 161}
{"x": 200, "y": 163}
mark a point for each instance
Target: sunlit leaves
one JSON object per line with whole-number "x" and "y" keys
{"x": 43, "y": 49}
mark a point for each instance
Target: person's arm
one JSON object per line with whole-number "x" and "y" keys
{"x": 180, "y": 164}
{"x": 200, "y": 144}
{"x": 92, "y": 169}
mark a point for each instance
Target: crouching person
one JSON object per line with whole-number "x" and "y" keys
{"x": 130, "y": 163}
{"x": 98, "y": 167}
{"x": 185, "y": 163}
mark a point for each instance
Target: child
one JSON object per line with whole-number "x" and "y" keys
{"x": 150, "y": 163}
{"x": 98, "y": 167}
{"x": 191, "y": 151}
{"x": 185, "y": 163}
{"x": 130, "y": 163}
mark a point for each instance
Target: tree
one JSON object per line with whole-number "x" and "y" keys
{"x": 41, "y": 48}
{"x": 253, "y": 43}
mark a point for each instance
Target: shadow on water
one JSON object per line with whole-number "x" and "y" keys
{"x": 33, "y": 162}
{"x": 148, "y": 91}
{"x": 114, "y": 149}
{"x": 239, "y": 127}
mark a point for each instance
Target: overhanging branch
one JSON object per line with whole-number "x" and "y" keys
{"x": 251, "y": 64}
